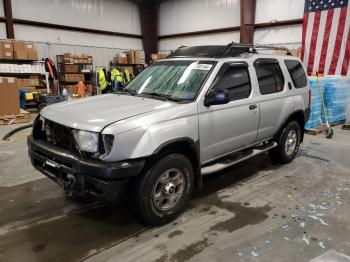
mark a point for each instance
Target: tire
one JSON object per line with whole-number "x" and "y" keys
{"x": 155, "y": 184}
{"x": 284, "y": 153}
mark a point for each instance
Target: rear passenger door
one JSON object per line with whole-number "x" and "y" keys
{"x": 299, "y": 79}
{"x": 276, "y": 102}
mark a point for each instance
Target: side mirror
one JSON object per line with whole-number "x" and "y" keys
{"x": 217, "y": 97}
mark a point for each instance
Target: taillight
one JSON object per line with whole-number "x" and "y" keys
{"x": 309, "y": 104}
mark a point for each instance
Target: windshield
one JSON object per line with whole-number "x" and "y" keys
{"x": 180, "y": 80}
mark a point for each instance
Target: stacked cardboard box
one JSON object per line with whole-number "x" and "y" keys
{"x": 77, "y": 59}
{"x": 71, "y": 68}
{"x": 6, "y": 50}
{"x": 158, "y": 56}
{"x": 129, "y": 57}
{"x": 73, "y": 77}
{"x": 121, "y": 59}
{"x": 17, "y": 50}
{"x": 9, "y": 96}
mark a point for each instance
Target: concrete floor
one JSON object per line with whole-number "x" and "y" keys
{"x": 254, "y": 211}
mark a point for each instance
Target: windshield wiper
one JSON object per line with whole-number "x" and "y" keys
{"x": 129, "y": 91}
{"x": 165, "y": 97}
{"x": 162, "y": 96}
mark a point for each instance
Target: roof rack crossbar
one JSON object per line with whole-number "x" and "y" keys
{"x": 233, "y": 49}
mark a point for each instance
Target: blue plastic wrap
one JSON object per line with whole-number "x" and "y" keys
{"x": 316, "y": 105}
{"x": 336, "y": 93}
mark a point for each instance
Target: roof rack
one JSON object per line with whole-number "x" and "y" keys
{"x": 220, "y": 51}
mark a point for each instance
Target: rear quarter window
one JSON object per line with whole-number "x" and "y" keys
{"x": 297, "y": 73}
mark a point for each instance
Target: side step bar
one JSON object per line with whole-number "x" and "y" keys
{"x": 218, "y": 166}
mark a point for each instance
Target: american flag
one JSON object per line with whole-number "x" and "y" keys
{"x": 326, "y": 37}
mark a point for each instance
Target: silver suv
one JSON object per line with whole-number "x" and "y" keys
{"x": 199, "y": 111}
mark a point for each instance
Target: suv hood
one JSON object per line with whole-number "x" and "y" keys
{"x": 94, "y": 113}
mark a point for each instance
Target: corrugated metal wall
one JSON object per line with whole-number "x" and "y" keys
{"x": 270, "y": 10}
{"x": 110, "y": 15}
{"x": 180, "y": 16}
{"x": 3, "y": 30}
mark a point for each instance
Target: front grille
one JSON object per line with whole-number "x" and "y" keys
{"x": 55, "y": 134}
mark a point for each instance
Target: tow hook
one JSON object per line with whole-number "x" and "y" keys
{"x": 69, "y": 185}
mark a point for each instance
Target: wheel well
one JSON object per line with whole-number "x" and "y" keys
{"x": 188, "y": 148}
{"x": 298, "y": 117}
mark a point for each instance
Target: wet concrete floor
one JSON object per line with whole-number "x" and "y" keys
{"x": 255, "y": 211}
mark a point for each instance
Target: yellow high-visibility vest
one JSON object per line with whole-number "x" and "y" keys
{"x": 102, "y": 81}
{"x": 127, "y": 75}
{"x": 115, "y": 74}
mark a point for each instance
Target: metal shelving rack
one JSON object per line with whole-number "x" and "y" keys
{"x": 88, "y": 76}
{"x": 24, "y": 75}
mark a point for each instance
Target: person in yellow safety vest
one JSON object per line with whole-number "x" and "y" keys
{"x": 116, "y": 79}
{"x": 102, "y": 81}
{"x": 127, "y": 75}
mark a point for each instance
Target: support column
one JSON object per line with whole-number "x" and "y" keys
{"x": 149, "y": 26}
{"x": 248, "y": 8}
{"x": 9, "y": 20}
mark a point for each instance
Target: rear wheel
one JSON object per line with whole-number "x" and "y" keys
{"x": 162, "y": 193}
{"x": 288, "y": 144}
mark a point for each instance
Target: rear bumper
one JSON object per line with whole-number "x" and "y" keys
{"x": 83, "y": 176}
{"x": 307, "y": 113}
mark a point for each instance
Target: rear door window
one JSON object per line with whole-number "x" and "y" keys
{"x": 270, "y": 77}
{"x": 297, "y": 73}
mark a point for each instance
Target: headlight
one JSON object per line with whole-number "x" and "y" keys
{"x": 86, "y": 141}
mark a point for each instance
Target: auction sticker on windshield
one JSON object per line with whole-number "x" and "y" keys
{"x": 205, "y": 67}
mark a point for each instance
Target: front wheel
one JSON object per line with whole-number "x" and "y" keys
{"x": 288, "y": 144}
{"x": 162, "y": 193}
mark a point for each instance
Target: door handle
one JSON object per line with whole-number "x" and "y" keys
{"x": 253, "y": 107}
{"x": 290, "y": 85}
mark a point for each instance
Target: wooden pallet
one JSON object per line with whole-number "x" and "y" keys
{"x": 337, "y": 123}
{"x": 314, "y": 131}
{"x": 22, "y": 117}
{"x": 346, "y": 126}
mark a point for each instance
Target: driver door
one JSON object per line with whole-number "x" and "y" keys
{"x": 228, "y": 127}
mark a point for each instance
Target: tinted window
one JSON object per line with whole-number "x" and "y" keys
{"x": 297, "y": 73}
{"x": 236, "y": 81}
{"x": 270, "y": 78}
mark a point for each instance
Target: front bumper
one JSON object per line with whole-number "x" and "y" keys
{"x": 83, "y": 176}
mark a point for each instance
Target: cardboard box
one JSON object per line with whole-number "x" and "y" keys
{"x": 28, "y": 82}
{"x": 137, "y": 57}
{"x": 32, "y": 54}
{"x": 9, "y": 96}
{"x": 73, "y": 77}
{"x": 121, "y": 59}
{"x": 29, "y": 46}
{"x": 71, "y": 68}
{"x": 18, "y": 45}
{"x": 131, "y": 57}
{"x": 7, "y": 50}
{"x": 20, "y": 54}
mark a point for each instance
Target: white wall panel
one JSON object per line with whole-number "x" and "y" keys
{"x": 39, "y": 34}
{"x": 110, "y": 15}
{"x": 2, "y": 12}
{"x": 212, "y": 39}
{"x": 179, "y": 16}
{"x": 3, "y": 33}
{"x": 286, "y": 35}
{"x": 268, "y": 10}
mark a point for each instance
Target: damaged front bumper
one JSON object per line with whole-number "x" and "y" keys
{"x": 83, "y": 176}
